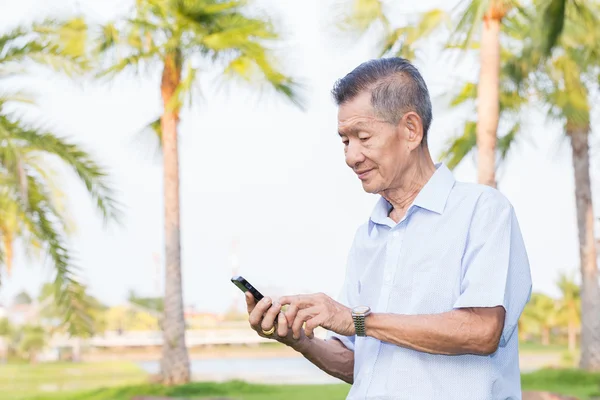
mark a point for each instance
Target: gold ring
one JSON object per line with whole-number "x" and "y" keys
{"x": 269, "y": 332}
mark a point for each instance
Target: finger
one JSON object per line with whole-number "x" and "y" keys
{"x": 290, "y": 314}
{"x": 270, "y": 316}
{"x": 250, "y": 301}
{"x": 287, "y": 299}
{"x": 312, "y": 324}
{"x": 282, "y": 325}
{"x": 302, "y": 300}
{"x": 301, "y": 318}
{"x": 258, "y": 312}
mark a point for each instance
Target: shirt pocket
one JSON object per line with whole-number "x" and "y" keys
{"x": 369, "y": 287}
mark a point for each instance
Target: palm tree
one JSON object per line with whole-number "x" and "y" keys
{"x": 491, "y": 12}
{"x": 23, "y": 297}
{"x": 6, "y": 331}
{"x": 540, "y": 315}
{"x": 563, "y": 87}
{"x": 32, "y": 212}
{"x": 561, "y": 84}
{"x": 31, "y": 340}
{"x": 569, "y": 308}
{"x": 181, "y": 38}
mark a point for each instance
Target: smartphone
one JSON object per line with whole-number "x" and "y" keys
{"x": 245, "y": 286}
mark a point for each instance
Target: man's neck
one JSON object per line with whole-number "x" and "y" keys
{"x": 414, "y": 179}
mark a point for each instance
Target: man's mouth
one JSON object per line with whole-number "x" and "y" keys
{"x": 363, "y": 174}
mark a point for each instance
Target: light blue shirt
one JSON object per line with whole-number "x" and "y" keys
{"x": 459, "y": 245}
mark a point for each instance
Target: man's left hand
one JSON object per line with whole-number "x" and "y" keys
{"x": 317, "y": 310}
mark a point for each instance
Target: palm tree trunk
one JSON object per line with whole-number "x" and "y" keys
{"x": 77, "y": 350}
{"x": 7, "y": 238}
{"x": 488, "y": 101}
{"x": 590, "y": 291}
{"x": 545, "y": 336}
{"x": 175, "y": 365}
{"x": 572, "y": 335}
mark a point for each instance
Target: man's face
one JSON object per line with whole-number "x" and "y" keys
{"x": 376, "y": 150}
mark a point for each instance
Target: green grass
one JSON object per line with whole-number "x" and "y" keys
{"x": 63, "y": 381}
{"x": 530, "y": 347}
{"x": 568, "y": 382}
{"x": 572, "y": 382}
{"x": 23, "y": 381}
{"x": 234, "y": 389}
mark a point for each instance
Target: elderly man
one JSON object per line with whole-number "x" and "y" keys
{"x": 436, "y": 278}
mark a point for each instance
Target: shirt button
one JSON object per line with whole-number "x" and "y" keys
{"x": 395, "y": 234}
{"x": 388, "y": 277}
{"x": 367, "y": 371}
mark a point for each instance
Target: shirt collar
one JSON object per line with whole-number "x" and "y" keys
{"x": 435, "y": 193}
{"x": 432, "y": 197}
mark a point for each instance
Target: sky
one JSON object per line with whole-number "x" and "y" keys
{"x": 257, "y": 171}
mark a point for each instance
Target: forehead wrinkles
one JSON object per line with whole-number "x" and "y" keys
{"x": 354, "y": 124}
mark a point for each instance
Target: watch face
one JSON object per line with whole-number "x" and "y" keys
{"x": 360, "y": 309}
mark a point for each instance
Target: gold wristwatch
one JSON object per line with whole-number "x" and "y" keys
{"x": 358, "y": 315}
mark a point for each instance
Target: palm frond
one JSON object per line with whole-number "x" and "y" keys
{"x": 68, "y": 291}
{"x": 201, "y": 10}
{"x": 554, "y": 21}
{"x": 242, "y": 42}
{"x": 89, "y": 172}
{"x": 58, "y": 63}
{"x": 18, "y": 96}
{"x": 150, "y": 136}
{"x": 359, "y": 15}
{"x": 506, "y": 142}
{"x": 31, "y": 210}
{"x": 7, "y": 40}
{"x": 255, "y": 67}
{"x": 9, "y": 226}
{"x": 107, "y": 39}
{"x": 403, "y": 41}
{"x": 458, "y": 147}
{"x": 470, "y": 21}
{"x": 43, "y": 50}
{"x": 72, "y": 37}
{"x": 512, "y": 99}
{"x": 128, "y": 46}
{"x": 467, "y": 93}
{"x": 10, "y": 153}
{"x": 130, "y": 62}
{"x": 236, "y": 31}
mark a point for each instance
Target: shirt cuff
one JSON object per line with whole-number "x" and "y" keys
{"x": 347, "y": 341}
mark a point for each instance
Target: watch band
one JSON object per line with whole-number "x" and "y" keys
{"x": 358, "y": 316}
{"x": 359, "y": 324}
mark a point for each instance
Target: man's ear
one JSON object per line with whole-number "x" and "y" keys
{"x": 413, "y": 129}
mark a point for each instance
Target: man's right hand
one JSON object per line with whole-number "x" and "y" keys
{"x": 263, "y": 315}
{"x": 331, "y": 356}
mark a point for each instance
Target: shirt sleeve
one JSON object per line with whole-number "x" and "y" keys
{"x": 495, "y": 264}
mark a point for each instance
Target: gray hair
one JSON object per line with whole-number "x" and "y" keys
{"x": 396, "y": 88}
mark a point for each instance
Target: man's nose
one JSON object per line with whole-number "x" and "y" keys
{"x": 354, "y": 154}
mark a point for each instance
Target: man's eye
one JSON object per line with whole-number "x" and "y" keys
{"x": 345, "y": 142}
{"x": 364, "y": 139}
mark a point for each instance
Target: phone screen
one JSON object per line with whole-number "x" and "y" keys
{"x": 245, "y": 286}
